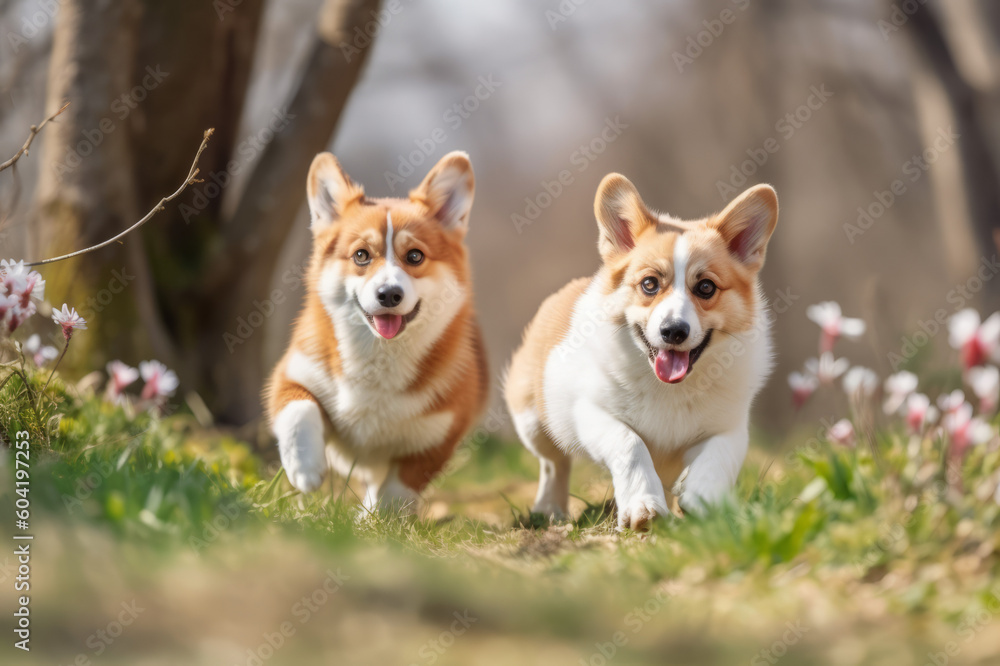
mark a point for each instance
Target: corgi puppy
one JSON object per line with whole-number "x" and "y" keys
{"x": 649, "y": 367}
{"x": 385, "y": 371}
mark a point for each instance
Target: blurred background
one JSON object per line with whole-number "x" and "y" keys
{"x": 877, "y": 122}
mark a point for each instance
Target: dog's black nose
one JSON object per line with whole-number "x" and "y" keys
{"x": 390, "y": 296}
{"x": 675, "y": 332}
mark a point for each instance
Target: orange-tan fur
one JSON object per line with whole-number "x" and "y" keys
{"x": 433, "y": 371}
{"x": 581, "y": 381}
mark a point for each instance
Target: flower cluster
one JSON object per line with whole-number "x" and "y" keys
{"x": 159, "y": 383}
{"x": 953, "y": 418}
{"x": 20, "y": 287}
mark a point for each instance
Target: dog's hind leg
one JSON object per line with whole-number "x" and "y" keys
{"x": 552, "y": 499}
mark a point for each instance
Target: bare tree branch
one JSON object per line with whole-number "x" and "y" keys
{"x": 191, "y": 178}
{"x": 35, "y": 129}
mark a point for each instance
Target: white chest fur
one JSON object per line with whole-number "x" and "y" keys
{"x": 598, "y": 363}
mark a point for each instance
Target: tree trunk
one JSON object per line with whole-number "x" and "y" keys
{"x": 145, "y": 79}
{"x": 274, "y": 194}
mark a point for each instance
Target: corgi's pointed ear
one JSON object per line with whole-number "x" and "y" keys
{"x": 330, "y": 190}
{"x": 447, "y": 191}
{"x": 621, "y": 215}
{"x": 747, "y": 224}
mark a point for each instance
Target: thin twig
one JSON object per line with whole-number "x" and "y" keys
{"x": 191, "y": 178}
{"x": 35, "y": 129}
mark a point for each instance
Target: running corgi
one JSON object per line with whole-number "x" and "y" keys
{"x": 385, "y": 371}
{"x": 649, "y": 367}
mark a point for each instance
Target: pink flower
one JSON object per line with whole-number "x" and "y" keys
{"x": 964, "y": 430}
{"x": 40, "y": 354}
{"x": 834, "y": 324}
{"x": 69, "y": 320}
{"x": 120, "y": 376}
{"x": 985, "y": 383}
{"x": 976, "y": 341}
{"x": 919, "y": 413}
{"x": 898, "y": 388}
{"x": 826, "y": 368}
{"x": 160, "y": 382}
{"x": 803, "y": 385}
{"x": 842, "y": 432}
{"x": 19, "y": 288}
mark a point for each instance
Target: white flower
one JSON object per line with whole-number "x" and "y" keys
{"x": 919, "y": 412}
{"x": 860, "y": 382}
{"x": 826, "y": 368}
{"x": 803, "y": 385}
{"x": 40, "y": 354}
{"x": 949, "y": 402}
{"x": 120, "y": 376}
{"x": 898, "y": 388}
{"x": 976, "y": 341}
{"x": 160, "y": 382}
{"x": 69, "y": 320}
{"x": 842, "y": 432}
{"x": 829, "y": 317}
{"x": 985, "y": 383}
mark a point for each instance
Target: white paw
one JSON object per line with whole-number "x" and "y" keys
{"x": 299, "y": 428}
{"x": 638, "y": 511}
{"x": 306, "y": 480}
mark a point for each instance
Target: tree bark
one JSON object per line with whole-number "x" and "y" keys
{"x": 145, "y": 79}
{"x": 274, "y": 194}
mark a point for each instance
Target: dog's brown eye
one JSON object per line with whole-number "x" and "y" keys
{"x": 705, "y": 289}
{"x": 414, "y": 257}
{"x": 361, "y": 257}
{"x": 650, "y": 285}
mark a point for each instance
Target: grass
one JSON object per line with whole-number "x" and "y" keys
{"x": 831, "y": 555}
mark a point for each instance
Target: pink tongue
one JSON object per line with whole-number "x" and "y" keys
{"x": 388, "y": 325}
{"x": 671, "y": 366}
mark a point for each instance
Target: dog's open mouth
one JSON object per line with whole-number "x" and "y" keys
{"x": 671, "y": 365}
{"x": 390, "y": 325}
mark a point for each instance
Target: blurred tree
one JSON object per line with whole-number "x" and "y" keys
{"x": 957, "y": 43}
{"x": 197, "y": 268}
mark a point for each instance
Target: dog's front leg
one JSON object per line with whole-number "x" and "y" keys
{"x": 713, "y": 467}
{"x": 638, "y": 490}
{"x": 298, "y": 425}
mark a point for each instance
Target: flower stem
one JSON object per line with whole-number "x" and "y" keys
{"x": 58, "y": 361}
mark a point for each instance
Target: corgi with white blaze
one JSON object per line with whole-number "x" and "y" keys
{"x": 385, "y": 371}
{"x": 650, "y": 366}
